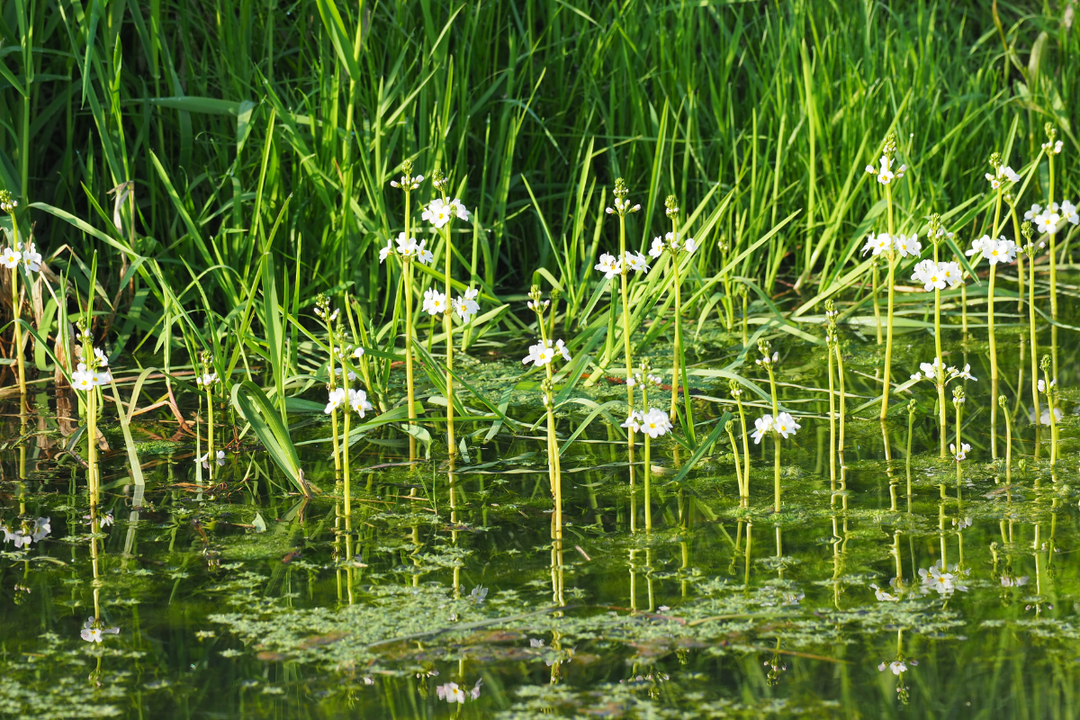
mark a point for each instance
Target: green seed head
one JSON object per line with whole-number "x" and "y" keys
{"x": 621, "y": 191}
{"x": 1044, "y": 363}
{"x": 672, "y": 206}
{"x": 995, "y": 160}
{"x": 1002, "y": 401}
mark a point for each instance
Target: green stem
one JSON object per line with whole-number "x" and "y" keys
{"x": 888, "y": 341}
{"x": 448, "y": 326}
{"x": 648, "y": 484}
{"x": 626, "y": 334}
{"x": 939, "y": 373}
{"x": 210, "y": 458}
{"x": 1034, "y": 348}
{"x": 993, "y": 363}
{"x": 18, "y": 332}
{"x": 677, "y": 360}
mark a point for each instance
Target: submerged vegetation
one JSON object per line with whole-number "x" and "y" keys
{"x": 323, "y": 452}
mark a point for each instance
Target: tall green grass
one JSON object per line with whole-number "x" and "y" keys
{"x": 261, "y": 139}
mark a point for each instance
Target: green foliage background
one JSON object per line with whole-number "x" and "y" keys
{"x": 219, "y": 111}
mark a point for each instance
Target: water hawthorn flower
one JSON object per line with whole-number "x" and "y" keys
{"x": 434, "y": 302}
{"x": 544, "y": 352}
{"x": 655, "y": 423}
{"x": 674, "y": 242}
{"x": 886, "y": 174}
{"x": 960, "y": 454}
{"x": 762, "y": 426}
{"x": 466, "y": 306}
{"x": 92, "y": 630}
{"x": 10, "y": 258}
{"x": 1004, "y": 172}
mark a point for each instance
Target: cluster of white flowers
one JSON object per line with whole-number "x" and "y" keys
{"x": 768, "y": 359}
{"x": 673, "y": 242}
{"x": 86, "y": 377}
{"x": 1044, "y": 417}
{"x": 650, "y": 378}
{"x": 999, "y": 251}
{"x": 1007, "y": 581}
{"x": 407, "y": 183}
{"x": 937, "y": 275}
{"x": 439, "y": 212}
{"x": 407, "y": 249}
{"x": 1046, "y": 219}
{"x": 544, "y": 352}
{"x": 537, "y": 305}
{"x": 942, "y": 580}
{"x": 464, "y": 305}
{"x": 653, "y": 423}
{"x": 1004, "y": 172}
{"x": 1053, "y": 148}
{"x": 27, "y": 533}
{"x": 357, "y": 399}
{"x": 434, "y": 302}
{"x": 622, "y": 207}
{"x": 451, "y": 693}
{"x": 884, "y": 243}
{"x": 204, "y": 380}
{"x": 896, "y": 666}
{"x": 219, "y": 459}
{"x": 931, "y": 370}
{"x": 27, "y": 255}
{"x": 960, "y": 454}
{"x": 783, "y": 423}
{"x": 7, "y": 202}
{"x": 612, "y": 266}
{"x": 886, "y": 174}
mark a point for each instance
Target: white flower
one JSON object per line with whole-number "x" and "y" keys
{"x": 926, "y": 272}
{"x": 475, "y": 692}
{"x": 908, "y": 246}
{"x": 609, "y": 266}
{"x": 951, "y": 272}
{"x": 423, "y": 254}
{"x": 541, "y": 354}
{"x": 437, "y": 213}
{"x": 358, "y": 352}
{"x": 434, "y": 302}
{"x": 1007, "y": 581}
{"x": 31, "y": 258}
{"x": 785, "y": 424}
{"x": 1047, "y": 221}
{"x": 337, "y": 396}
{"x": 637, "y": 262}
{"x": 406, "y": 246}
{"x": 204, "y": 459}
{"x": 451, "y": 693}
{"x": 82, "y": 379}
{"x": 408, "y": 183}
{"x": 1042, "y": 384}
{"x": 960, "y": 454}
{"x": 930, "y": 369}
{"x": 10, "y": 258}
{"x": 386, "y": 251}
{"x": 762, "y": 426}
{"x": 466, "y": 306}
{"x": 978, "y": 245}
{"x": 560, "y": 347}
{"x": 877, "y": 243}
{"x": 206, "y": 379}
{"x": 655, "y": 423}
{"x": 690, "y": 245}
{"x": 633, "y": 421}
{"x": 1034, "y": 211}
{"x": 1068, "y": 211}
{"x": 457, "y": 209}
{"x": 358, "y": 401}
{"x": 897, "y": 667}
{"x": 657, "y": 247}
{"x": 886, "y": 175}
{"x": 1008, "y": 173}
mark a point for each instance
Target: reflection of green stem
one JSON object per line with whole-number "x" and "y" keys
{"x": 346, "y": 475}
{"x": 843, "y": 406}
{"x": 1053, "y": 419}
{"x": 1008, "y": 439}
{"x": 959, "y": 445}
{"x": 832, "y": 419}
{"x": 1034, "y": 349}
{"x": 939, "y": 373}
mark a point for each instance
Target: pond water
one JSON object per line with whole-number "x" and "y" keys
{"x": 234, "y": 598}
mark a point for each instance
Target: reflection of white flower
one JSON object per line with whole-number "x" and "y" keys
{"x": 92, "y": 630}
{"x": 897, "y": 667}
{"x": 1044, "y": 418}
{"x": 1007, "y": 581}
{"x": 451, "y": 693}
{"x": 883, "y": 595}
